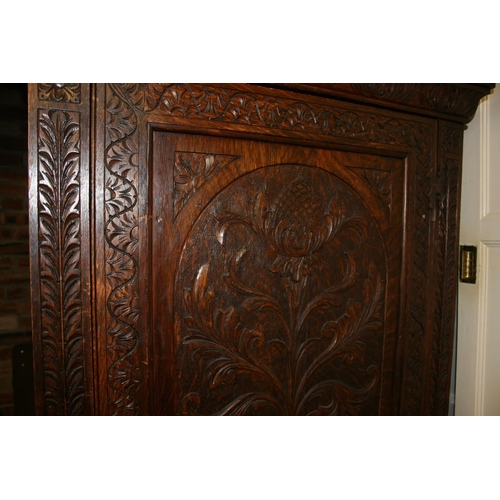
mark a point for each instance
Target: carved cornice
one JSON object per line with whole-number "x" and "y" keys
{"x": 445, "y": 100}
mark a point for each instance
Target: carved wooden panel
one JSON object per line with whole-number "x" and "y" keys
{"x": 59, "y": 167}
{"x": 244, "y": 249}
{"x": 60, "y": 278}
{"x": 281, "y": 271}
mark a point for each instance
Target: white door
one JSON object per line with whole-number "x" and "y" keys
{"x": 478, "y": 344}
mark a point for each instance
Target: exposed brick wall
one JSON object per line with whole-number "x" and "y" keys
{"x": 15, "y": 318}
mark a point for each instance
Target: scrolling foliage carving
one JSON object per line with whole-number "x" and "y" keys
{"x": 231, "y": 105}
{"x": 124, "y": 377}
{"x": 311, "y": 346}
{"x": 59, "y": 253}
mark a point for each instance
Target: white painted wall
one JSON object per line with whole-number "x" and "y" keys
{"x": 478, "y": 344}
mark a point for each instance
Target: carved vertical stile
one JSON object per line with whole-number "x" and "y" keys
{"x": 414, "y": 359}
{"x": 446, "y": 267}
{"x": 56, "y": 175}
{"x": 124, "y": 373}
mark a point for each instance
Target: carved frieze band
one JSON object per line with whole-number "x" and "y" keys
{"x": 60, "y": 92}
{"x": 59, "y": 259}
{"x": 244, "y": 107}
{"x": 232, "y": 105}
{"x": 124, "y": 375}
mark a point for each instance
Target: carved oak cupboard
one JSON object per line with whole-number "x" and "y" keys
{"x": 245, "y": 249}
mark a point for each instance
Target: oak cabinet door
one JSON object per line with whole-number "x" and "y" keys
{"x": 276, "y": 277}
{"x": 244, "y": 249}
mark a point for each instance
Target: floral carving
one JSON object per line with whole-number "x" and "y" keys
{"x": 60, "y": 92}
{"x": 308, "y": 373}
{"x": 191, "y": 170}
{"x": 59, "y": 253}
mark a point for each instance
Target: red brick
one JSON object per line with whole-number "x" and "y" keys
{"x": 23, "y": 234}
{"x": 14, "y": 143}
{"x": 14, "y": 249}
{"x": 18, "y": 292}
{"x": 13, "y": 176}
{"x": 8, "y": 308}
{"x": 23, "y": 263}
{"x": 12, "y": 203}
{"x": 13, "y": 278}
{"x": 6, "y": 234}
{"x": 9, "y": 323}
{"x": 6, "y": 262}
{"x": 15, "y": 308}
{"x": 24, "y": 322}
{"x": 12, "y": 159}
{"x": 13, "y": 189}
{"x": 10, "y": 113}
{"x": 17, "y": 218}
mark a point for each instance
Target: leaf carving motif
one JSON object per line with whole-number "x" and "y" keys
{"x": 294, "y": 229}
{"x": 191, "y": 170}
{"x": 59, "y": 252}
{"x": 121, "y": 236}
{"x": 232, "y": 105}
{"x": 60, "y": 92}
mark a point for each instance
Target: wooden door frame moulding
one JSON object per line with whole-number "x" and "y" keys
{"x": 91, "y": 345}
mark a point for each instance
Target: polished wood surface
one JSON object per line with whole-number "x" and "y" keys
{"x": 245, "y": 249}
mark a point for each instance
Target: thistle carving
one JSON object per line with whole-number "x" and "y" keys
{"x": 312, "y": 374}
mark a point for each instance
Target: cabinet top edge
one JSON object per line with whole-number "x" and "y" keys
{"x": 449, "y": 101}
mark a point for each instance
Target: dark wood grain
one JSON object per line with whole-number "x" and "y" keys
{"x": 245, "y": 249}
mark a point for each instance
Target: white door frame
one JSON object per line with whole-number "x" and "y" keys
{"x": 478, "y": 336}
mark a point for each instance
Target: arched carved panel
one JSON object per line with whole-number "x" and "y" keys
{"x": 280, "y": 300}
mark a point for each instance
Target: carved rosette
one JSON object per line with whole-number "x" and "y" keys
{"x": 121, "y": 239}
{"x": 59, "y": 260}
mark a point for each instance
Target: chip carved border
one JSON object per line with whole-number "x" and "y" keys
{"x": 126, "y": 103}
